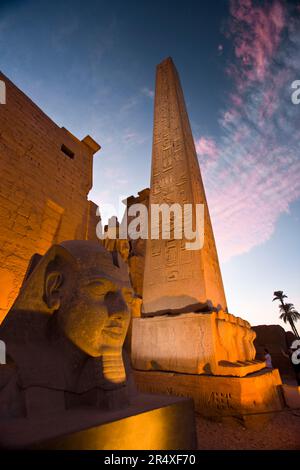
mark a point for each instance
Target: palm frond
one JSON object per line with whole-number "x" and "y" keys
{"x": 279, "y": 295}
{"x": 286, "y": 308}
{"x": 295, "y": 315}
{"x": 283, "y": 317}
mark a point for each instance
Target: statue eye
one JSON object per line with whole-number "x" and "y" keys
{"x": 97, "y": 289}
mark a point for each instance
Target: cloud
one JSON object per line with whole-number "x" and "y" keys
{"x": 129, "y": 104}
{"x": 257, "y": 34}
{"x": 115, "y": 175}
{"x": 132, "y": 137}
{"x": 252, "y": 173}
{"x": 206, "y": 146}
{"x": 129, "y": 136}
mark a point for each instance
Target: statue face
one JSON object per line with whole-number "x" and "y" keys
{"x": 91, "y": 309}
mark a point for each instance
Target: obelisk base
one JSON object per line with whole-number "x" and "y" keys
{"x": 216, "y": 396}
{"x": 194, "y": 343}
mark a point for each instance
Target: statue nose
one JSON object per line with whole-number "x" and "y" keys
{"x": 115, "y": 302}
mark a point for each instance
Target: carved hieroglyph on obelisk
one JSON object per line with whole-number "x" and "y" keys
{"x": 177, "y": 279}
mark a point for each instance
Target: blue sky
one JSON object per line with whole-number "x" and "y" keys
{"x": 91, "y": 67}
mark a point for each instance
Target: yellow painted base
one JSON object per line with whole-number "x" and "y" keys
{"x": 142, "y": 426}
{"x": 218, "y": 395}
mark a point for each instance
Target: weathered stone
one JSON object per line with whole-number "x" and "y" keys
{"x": 136, "y": 270}
{"x": 188, "y": 344}
{"x": 218, "y": 396}
{"x": 43, "y": 192}
{"x": 65, "y": 386}
{"x": 132, "y": 250}
{"x": 136, "y": 261}
{"x": 194, "y": 343}
{"x": 273, "y": 338}
{"x": 66, "y": 329}
{"x": 290, "y": 338}
{"x": 177, "y": 279}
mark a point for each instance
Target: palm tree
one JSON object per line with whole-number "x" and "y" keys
{"x": 287, "y": 311}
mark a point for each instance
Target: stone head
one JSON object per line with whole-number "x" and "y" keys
{"x": 81, "y": 286}
{"x": 85, "y": 286}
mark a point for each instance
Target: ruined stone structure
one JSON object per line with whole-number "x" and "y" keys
{"x": 195, "y": 343}
{"x": 46, "y": 175}
{"x": 276, "y": 340}
{"x": 176, "y": 278}
{"x": 136, "y": 259}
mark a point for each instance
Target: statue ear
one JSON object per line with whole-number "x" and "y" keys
{"x": 52, "y": 295}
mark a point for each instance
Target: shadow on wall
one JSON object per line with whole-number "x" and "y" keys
{"x": 275, "y": 339}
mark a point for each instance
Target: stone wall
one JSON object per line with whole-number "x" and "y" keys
{"x": 136, "y": 259}
{"x": 275, "y": 339}
{"x": 46, "y": 175}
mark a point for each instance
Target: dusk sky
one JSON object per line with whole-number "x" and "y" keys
{"x": 90, "y": 66}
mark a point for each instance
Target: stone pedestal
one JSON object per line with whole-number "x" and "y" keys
{"x": 195, "y": 343}
{"x": 218, "y": 396}
{"x": 151, "y": 422}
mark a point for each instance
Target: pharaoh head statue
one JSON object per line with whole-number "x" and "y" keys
{"x": 76, "y": 292}
{"x": 84, "y": 285}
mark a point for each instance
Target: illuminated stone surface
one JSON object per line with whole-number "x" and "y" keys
{"x": 148, "y": 423}
{"x": 43, "y": 190}
{"x": 194, "y": 343}
{"x": 189, "y": 330}
{"x": 68, "y": 384}
{"x": 66, "y": 330}
{"x": 176, "y": 278}
{"x": 218, "y": 396}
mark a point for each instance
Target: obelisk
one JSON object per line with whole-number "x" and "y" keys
{"x": 177, "y": 279}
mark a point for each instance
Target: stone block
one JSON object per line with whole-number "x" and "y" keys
{"x": 149, "y": 422}
{"x": 34, "y": 171}
{"x": 216, "y": 396}
{"x": 194, "y": 343}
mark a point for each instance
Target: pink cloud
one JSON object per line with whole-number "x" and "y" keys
{"x": 257, "y": 32}
{"x": 257, "y": 173}
{"x": 236, "y": 100}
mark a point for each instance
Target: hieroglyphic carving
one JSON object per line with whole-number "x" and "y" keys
{"x": 220, "y": 400}
{"x": 176, "y": 178}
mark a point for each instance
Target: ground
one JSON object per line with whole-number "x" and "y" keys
{"x": 280, "y": 431}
